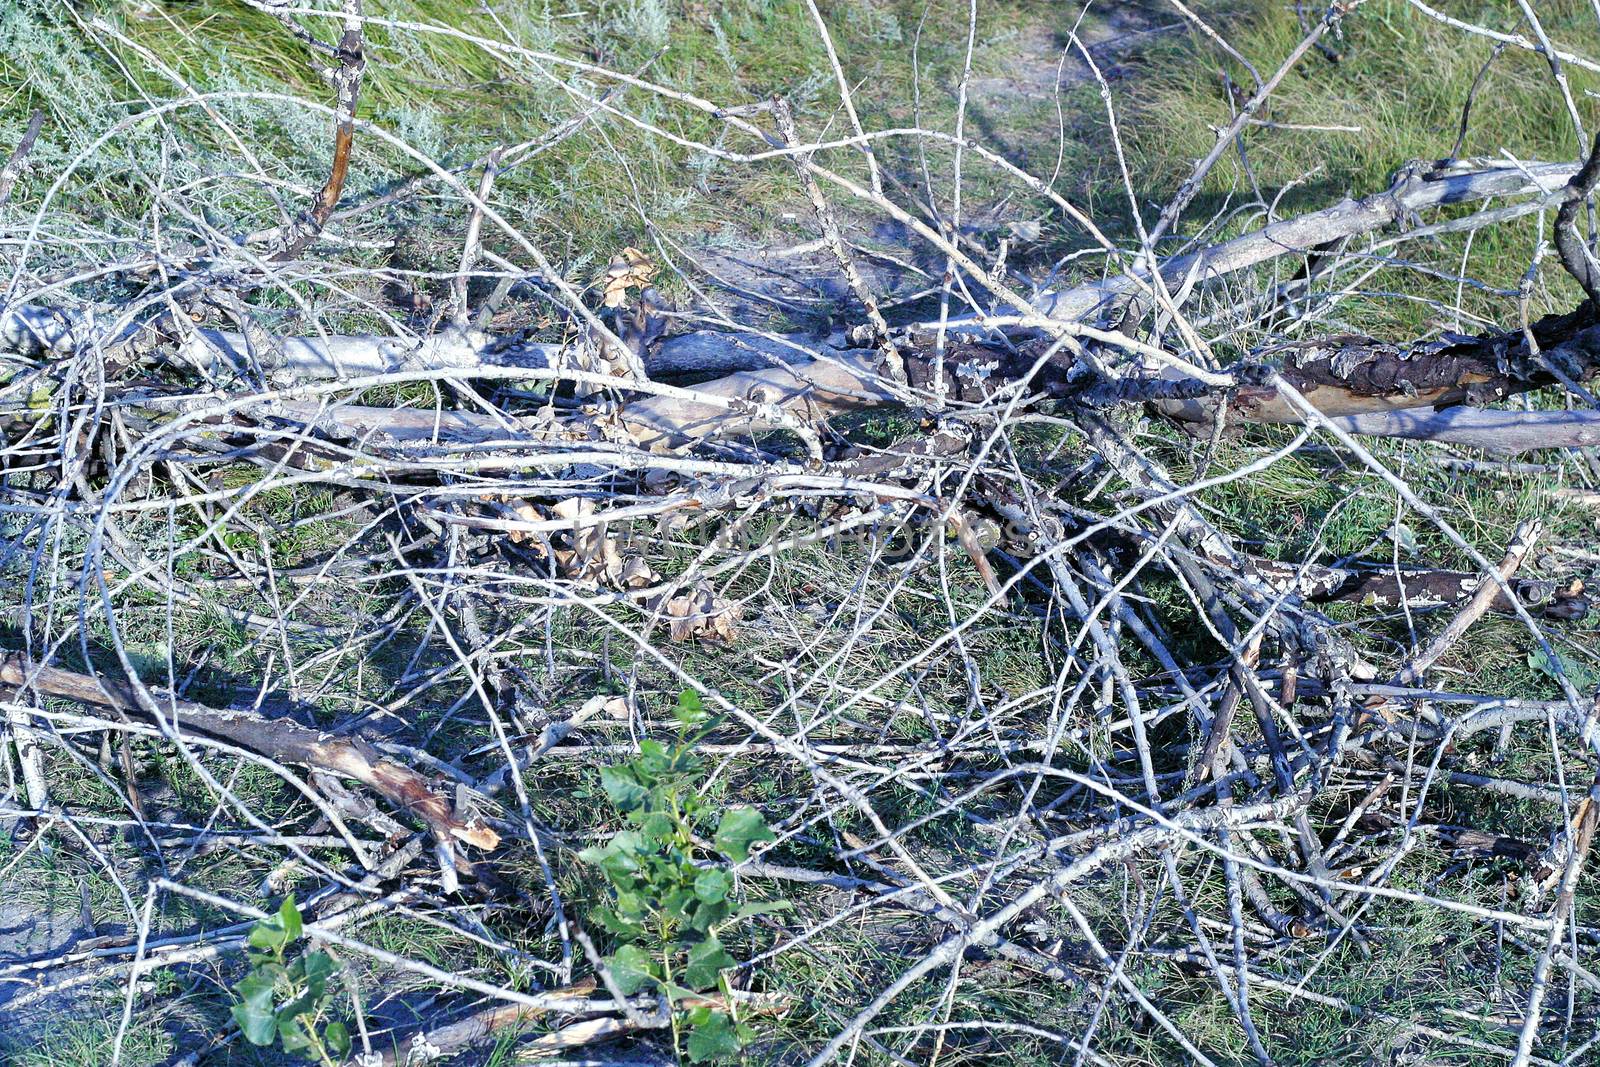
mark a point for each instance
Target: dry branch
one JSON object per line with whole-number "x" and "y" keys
{"x": 280, "y": 740}
{"x": 32, "y": 330}
{"x": 1494, "y": 430}
{"x": 346, "y": 78}
{"x": 492, "y": 1023}
{"x": 1420, "y": 589}
{"x": 439, "y": 1042}
{"x": 1486, "y": 594}
{"x": 19, "y": 156}
{"x": 1349, "y": 376}
{"x": 1415, "y": 190}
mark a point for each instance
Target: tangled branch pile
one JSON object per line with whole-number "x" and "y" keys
{"x": 1018, "y": 716}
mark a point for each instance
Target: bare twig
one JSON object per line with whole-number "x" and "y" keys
{"x": 19, "y": 156}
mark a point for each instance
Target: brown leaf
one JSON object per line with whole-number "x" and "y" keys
{"x": 477, "y": 835}
{"x": 701, "y": 615}
{"x": 636, "y": 573}
{"x": 629, "y": 268}
{"x": 527, "y": 513}
{"x": 586, "y": 553}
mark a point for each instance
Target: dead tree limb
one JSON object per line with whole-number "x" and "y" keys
{"x": 1412, "y": 192}
{"x": 1575, "y": 254}
{"x": 1351, "y": 375}
{"x": 277, "y": 739}
{"x": 1390, "y": 588}
{"x": 1484, "y": 596}
{"x": 1494, "y": 430}
{"x": 39, "y": 330}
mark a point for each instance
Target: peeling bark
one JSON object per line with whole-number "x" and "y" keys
{"x": 1353, "y": 376}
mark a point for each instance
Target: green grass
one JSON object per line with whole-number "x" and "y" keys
{"x": 1401, "y": 81}
{"x": 86, "y": 1040}
{"x": 454, "y": 83}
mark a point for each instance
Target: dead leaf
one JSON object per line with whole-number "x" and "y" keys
{"x": 477, "y": 835}
{"x": 587, "y": 553}
{"x": 605, "y": 707}
{"x": 701, "y": 615}
{"x": 527, "y": 513}
{"x": 629, "y": 268}
{"x": 636, "y": 573}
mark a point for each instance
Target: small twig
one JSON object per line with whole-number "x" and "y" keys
{"x": 835, "y": 241}
{"x": 469, "y": 248}
{"x": 13, "y": 168}
{"x": 1582, "y": 830}
{"x": 1472, "y": 95}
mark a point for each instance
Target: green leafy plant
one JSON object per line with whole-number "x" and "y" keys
{"x": 670, "y": 890}
{"x": 1583, "y": 677}
{"x": 286, "y": 1000}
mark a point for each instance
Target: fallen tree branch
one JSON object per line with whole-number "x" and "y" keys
{"x": 1385, "y": 588}
{"x": 1390, "y": 588}
{"x": 438, "y": 1042}
{"x": 1373, "y": 387}
{"x": 491, "y": 1023}
{"x": 41, "y": 331}
{"x": 1485, "y": 595}
{"x": 1413, "y": 192}
{"x": 35, "y": 330}
{"x": 277, "y": 739}
{"x": 1493, "y": 430}
{"x": 1360, "y": 376}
